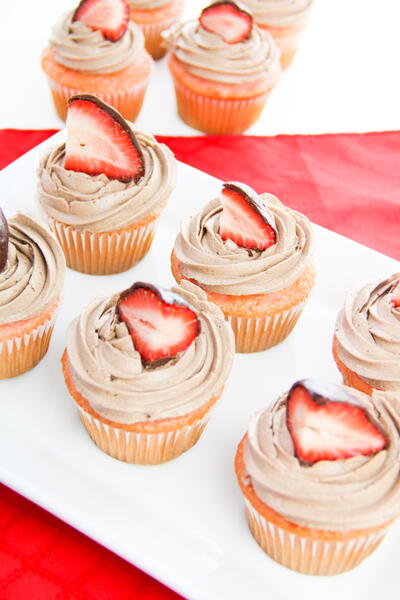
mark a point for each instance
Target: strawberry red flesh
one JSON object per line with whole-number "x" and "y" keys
{"x": 160, "y": 322}
{"x": 245, "y": 219}
{"x": 100, "y": 141}
{"x": 325, "y": 423}
{"x": 395, "y": 300}
{"x": 227, "y": 20}
{"x": 111, "y": 17}
{"x": 3, "y": 241}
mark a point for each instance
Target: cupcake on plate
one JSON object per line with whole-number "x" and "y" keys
{"x": 285, "y": 20}
{"x": 145, "y": 367}
{"x": 252, "y": 255}
{"x": 97, "y": 49}
{"x": 366, "y": 343}
{"x": 319, "y": 471}
{"x": 223, "y": 67}
{"x": 104, "y": 189}
{"x": 32, "y": 270}
{"x": 154, "y": 17}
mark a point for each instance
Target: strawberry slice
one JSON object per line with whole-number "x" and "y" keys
{"x": 325, "y": 423}
{"x": 3, "y": 241}
{"x": 99, "y": 141}
{"x": 229, "y": 21}
{"x": 395, "y": 300}
{"x": 245, "y": 219}
{"x": 111, "y": 17}
{"x": 160, "y": 322}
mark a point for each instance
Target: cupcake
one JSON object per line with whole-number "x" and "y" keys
{"x": 104, "y": 189}
{"x": 153, "y": 17}
{"x": 366, "y": 343}
{"x": 145, "y": 367}
{"x": 319, "y": 472}
{"x": 223, "y": 67}
{"x": 284, "y": 19}
{"x": 252, "y": 255}
{"x": 96, "y": 49}
{"x": 32, "y": 270}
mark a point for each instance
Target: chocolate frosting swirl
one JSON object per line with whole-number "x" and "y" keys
{"x": 79, "y": 47}
{"x": 206, "y": 54}
{"x": 368, "y": 334}
{"x": 33, "y": 276}
{"x": 108, "y": 372}
{"x": 279, "y": 13}
{"x": 337, "y": 495}
{"x": 223, "y": 267}
{"x": 97, "y": 203}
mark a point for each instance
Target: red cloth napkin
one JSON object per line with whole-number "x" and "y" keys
{"x": 349, "y": 183}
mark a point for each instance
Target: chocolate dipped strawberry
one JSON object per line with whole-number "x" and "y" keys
{"x": 326, "y": 423}
{"x": 160, "y": 322}
{"x": 111, "y": 17}
{"x": 245, "y": 219}
{"x": 3, "y": 241}
{"x": 99, "y": 140}
{"x": 228, "y": 20}
{"x": 395, "y": 300}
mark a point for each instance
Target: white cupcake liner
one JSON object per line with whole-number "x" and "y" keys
{"x": 142, "y": 448}
{"x": 311, "y": 556}
{"x": 103, "y": 253}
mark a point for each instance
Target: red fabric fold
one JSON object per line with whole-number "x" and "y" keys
{"x": 349, "y": 183}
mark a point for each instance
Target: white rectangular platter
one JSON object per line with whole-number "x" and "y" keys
{"x": 183, "y": 522}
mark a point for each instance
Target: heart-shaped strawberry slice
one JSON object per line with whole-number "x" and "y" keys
{"x": 395, "y": 300}
{"x": 111, "y": 17}
{"x": 325, "y": 423}
{"x": 227, "y": 20}
{"x": 245, "y": 219}
{"x": 99, "y": 140}
{"x": 161, "y": 322}
{"x": 3, "y": 241}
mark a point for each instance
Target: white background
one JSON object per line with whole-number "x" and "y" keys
{"x": 345, "y": 76}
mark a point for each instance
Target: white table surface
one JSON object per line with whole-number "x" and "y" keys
{"x": 344, "y": 78}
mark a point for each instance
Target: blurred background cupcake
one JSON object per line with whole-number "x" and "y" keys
{"x": 145, "y": 367}
{"x": 284, "y": 19}
{"x": 105, "y": 188}
{"x": 253, "y": 257}
{"x": 32, "y": 270}
{"x": 366, "y": 344}
{"x": 153, "y": 17}
{"x": 223, "y": 67}
{"x": 96, "y": 48}
{"x": 319, "y": 472}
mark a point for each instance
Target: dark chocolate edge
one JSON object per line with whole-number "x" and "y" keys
{"x": 4, "y": 236}
{"x": 236, "y": 5}
{"x": 254, "y": 202}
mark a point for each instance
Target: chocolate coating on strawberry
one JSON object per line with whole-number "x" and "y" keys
{"x": 396, "y": 295}
{"x": 326, "y": 423}
{"x": 100, "y": 141}
{"x": 228, "y": 20}
{"x": 3, "y": 241}
{"x": 111, "y": 17}
{"x": 161, "y": 323}
{"x": 245, "y": 219}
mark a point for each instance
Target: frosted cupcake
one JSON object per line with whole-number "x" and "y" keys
{"x": 223, "y": 67}
{"x": 252, "y": 255}
{"x": 96, "y": 49}
{"x": 145, "y": 367}
{"x": 154, "y": 17}
{"x": 319, "y": 471}
{"x": 285, "y": 20}
{"x": 366, "y": 344}
{"x": 32, "y": 270}
{"x": 104, "y": 190}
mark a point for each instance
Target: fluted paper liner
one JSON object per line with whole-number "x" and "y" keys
{"x": 152, "y": 36}
{"x": 22, "y": 352}
{"x": 308, "y": 551}
{"x": 127, "y": 102}
{"x": 217, "y": 115}
{"x": 104, "y": 253}
{"x": 144, "y": 443}
{"x": 287, "y": 39}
